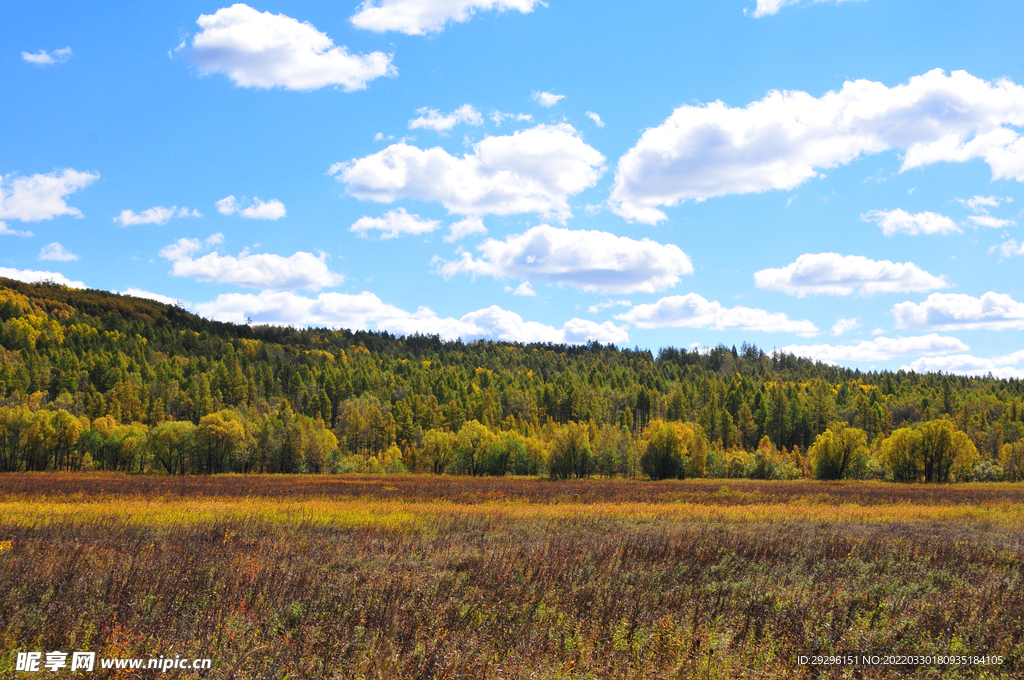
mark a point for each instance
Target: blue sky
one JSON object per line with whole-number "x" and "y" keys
{"x": 842, "y": 180}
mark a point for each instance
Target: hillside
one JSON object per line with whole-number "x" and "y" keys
{"x": 95, "y": 379}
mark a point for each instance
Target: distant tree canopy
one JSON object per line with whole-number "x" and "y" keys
{"x": 97, "y": 380}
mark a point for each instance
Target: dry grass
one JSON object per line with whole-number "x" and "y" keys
{"x": 423, "y": 577}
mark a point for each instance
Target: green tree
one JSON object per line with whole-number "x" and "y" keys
{"x": 570, "y": 452}
{"x": 170, "y": 445}
{"x": 472, "y": 447}
{"x": 438, "y": 451}
{"x": 902, "y": 453}
{"x": 839, "y": 452}
{"x": 220, "y": 438}
{"x": 672, "y": 451}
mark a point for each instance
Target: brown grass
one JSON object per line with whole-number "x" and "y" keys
{"x": 423, "y": 577}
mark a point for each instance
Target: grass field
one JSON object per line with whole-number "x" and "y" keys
{"x": 444, "y": 577}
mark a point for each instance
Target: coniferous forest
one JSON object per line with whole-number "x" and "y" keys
{"x": 91, "y": 380}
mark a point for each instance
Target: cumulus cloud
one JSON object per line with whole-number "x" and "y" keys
{"x": 990, "y": 221}
{"x": 33, "y": 276}
{"x": 879, "y": 349}
{"x": 464, "y": 228}
{"x": 589, "y": 260}
{"x": 900, "y": 221}
{"x": 41, "y": 197}
{"x": 432, "y": 119}
{"x": 784, "y": 139}
{"x": 419, "y": 17}
{"x": 367, "y": 311}
{"x": 265, "y": 271}
{"x": 531, "y": 171}
{"x": 596, "y": 118}
{"x": 155, "y": 215}
{"x": 956, "y": 311}
{"x": 547, "y": 99}
{"x": 56, "y": 252}
{"x": 259, "y": 210}
{"x": 693, "y": 311}
{"x": 147, "y": 295}
{"x": 834, "y": 274}
{"x": 966, "y": 364}
{"x": 393, "y": 223}
{"x": 524, "y": 289}
{"x": 1008, "y": 248}
{"x": 44, "y": 58}
{"x": 845, "y": 326}
{"x": 227, "y": 205}
{"x": 260, "y": 49}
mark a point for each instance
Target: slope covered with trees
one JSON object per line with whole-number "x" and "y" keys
{"x": 96, "y": 380}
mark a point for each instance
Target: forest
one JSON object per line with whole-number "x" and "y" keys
{"x": 91, "y": 380}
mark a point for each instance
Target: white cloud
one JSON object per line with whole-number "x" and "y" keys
{"x": 155, "y": 215}
{"x": 7, "y": 231}
{"x": 1012, "y": 358}
{"x": 693, "y": 311}
{"x": 608, "y": 304}
{"x": 834, "y": 274}
{"x": 260, "y": 49}
{"x": 227, "y": 205}
{"x": 530, "y": 171}
{"x": 990, "y": 222}
{"x": 41, "y": 197}
{"x": 419, "y": 17}
{"x": 879, "y": 349}
{"x": 44, "y": 58}
{"x": 271, "y": 210}
{"x": 590, "y": 260}
{"x": 266, "y": 271}
{"x": 498, "y": 117}
{"x": 259, "y": 210}
{"x": 55, "y": 251}
{"x": 147, "y": 295}
{"x": 596, "y": 118}
{"x": 524, "y": 289}
{"x": 770, "y": 7}
{"x": 965, "y": 364}
{"x": 981, "y": 204}
{"x": 845, "y": 326}
{"x": 367, "y": 311}
{"x": 900, "y": 221}
{"x": 432, "y": 119}
{"x": 1006, "y": 248}
{"x": 547, "y": 99}
{"x": 781, "y": 141}
{"x": 33, "y": 276}
{"x": 956, "y": 311}
{"x": 463, "y": 228}
{"x": 393, "y": 223}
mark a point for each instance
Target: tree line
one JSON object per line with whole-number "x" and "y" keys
{"x": 95, "y": 380}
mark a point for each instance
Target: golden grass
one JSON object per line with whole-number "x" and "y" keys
{"x": 416, "y": 515}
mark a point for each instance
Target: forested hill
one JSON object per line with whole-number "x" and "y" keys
{"x": 121, "y": 366}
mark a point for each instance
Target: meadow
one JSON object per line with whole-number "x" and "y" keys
{"x": 428, "y": 576}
